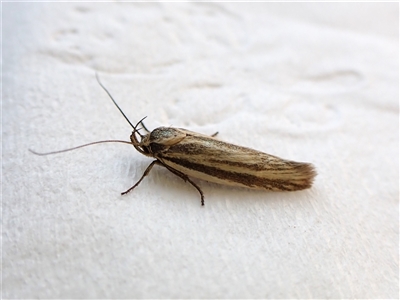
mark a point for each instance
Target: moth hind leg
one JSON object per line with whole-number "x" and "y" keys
{"x": 186, "y": 178}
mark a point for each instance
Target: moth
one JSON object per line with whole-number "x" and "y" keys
{"x": 189, "y": 154}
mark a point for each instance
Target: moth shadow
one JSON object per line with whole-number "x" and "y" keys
{"x": 240, "y": 196}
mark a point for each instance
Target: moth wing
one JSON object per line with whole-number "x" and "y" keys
{"x": 206, "y": 158}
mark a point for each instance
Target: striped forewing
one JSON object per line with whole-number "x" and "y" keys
{"x": 209, "y": 159}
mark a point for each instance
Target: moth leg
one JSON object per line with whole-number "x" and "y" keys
{"x": 215, "y": 134}
{"x": 143, "y": 176}
{"x": 186, "y": 178}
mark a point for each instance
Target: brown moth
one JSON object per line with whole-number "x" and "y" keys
{"x": 190, "y": 154}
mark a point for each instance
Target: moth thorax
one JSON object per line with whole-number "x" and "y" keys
{"x": 166, "y": 136}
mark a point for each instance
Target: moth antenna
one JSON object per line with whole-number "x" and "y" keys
{"x": 141, "y": 135}
{"x": 137, "y": 130}
{"x": 144, "y": 127}
{"x": 98, "y": 80}
{"x": 81, "y": 146}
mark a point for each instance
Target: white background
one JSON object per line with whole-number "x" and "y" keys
{"x": 314, "y": 82}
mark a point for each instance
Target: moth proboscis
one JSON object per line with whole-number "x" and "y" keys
{"x": 190, "y": 154}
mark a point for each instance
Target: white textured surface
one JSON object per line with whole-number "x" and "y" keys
{"x": 309, "y": 82}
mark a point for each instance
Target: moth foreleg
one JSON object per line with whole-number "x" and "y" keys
{"x": 215, "y": 134}
{"x": 186, "y": 178}
{"x": 143, "y": 176}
